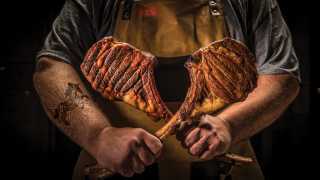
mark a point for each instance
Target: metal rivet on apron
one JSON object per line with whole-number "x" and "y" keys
{"x": 212, "y": 3}
{"x": 214, "y": 8}
{"x": 215, "y": 12}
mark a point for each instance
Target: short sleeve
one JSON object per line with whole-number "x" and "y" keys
{"x": 271, "y": 39}
{"x": 71, "y": 34}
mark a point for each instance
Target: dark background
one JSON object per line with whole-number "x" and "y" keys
{"x": 33, "y": 149}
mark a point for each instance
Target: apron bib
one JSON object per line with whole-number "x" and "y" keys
{"x": 171, "y": 30}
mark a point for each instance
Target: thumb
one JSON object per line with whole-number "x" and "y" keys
{"x": 153, "y": 143}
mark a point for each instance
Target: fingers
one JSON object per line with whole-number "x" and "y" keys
{"x": 144, "y": 154}
{"x": 192, "y": 137}
{"x": 153, "y": 143}
{"x": 182, "y": 133}
{"x": 131, "y": 166}
{"x": 126, "y": 168}
{"x": 137, "y": 164}
{"x": 211, "y": 151}
{"x": 199, "y": 147}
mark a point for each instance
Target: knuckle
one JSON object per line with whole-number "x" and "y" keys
{"x": 192, "y": 151}
{"x": 206, "y": 158}
{"x": 159, "y": 145}
{"x": 140, "y": 132}
{"x": 134, "y": 141}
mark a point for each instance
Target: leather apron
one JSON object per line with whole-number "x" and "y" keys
{"x": 171, "y": 30}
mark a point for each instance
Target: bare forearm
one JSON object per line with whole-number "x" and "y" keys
{"x": 262, "y": 107}
{"x": 67, "y": 103}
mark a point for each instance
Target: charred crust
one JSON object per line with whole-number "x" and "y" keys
{"x": 124, "y": 70}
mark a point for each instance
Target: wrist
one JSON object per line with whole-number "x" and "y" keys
{"x": 229, "y": 126}
{"x": 93, "y": 143}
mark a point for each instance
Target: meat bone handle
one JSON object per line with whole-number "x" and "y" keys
{"x": 98, "y": 172}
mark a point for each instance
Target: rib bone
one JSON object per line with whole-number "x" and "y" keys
{"x": 221, "y": 73}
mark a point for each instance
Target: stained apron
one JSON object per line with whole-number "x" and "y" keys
{"x": 171, "y": 30}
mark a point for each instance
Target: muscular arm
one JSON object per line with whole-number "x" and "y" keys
{"x": 240, "y": 121}
{"x": 262, "y": 107}
{"x": 67, "y": 103}
{"x": 70, "y": 108}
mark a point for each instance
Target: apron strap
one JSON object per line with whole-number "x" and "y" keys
{"x": 126, "y": 13}
{"x": 216, "y": 9}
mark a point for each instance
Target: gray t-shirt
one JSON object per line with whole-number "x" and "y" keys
{"x": 257, "y": 23}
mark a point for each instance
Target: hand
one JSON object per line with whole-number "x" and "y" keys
{"x": 211, "y": 137}
{"x": 126, "y": 150}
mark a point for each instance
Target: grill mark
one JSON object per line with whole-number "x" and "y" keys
{"x": 120, "y": 71}
{"x": 224, "y": 82}
{"x": 214, "y": 63}
{"x": 231, "y": 46}
{"x": 148, "y": 81}
{"x": 109, "y": 60}
{"x": 233, "y": 87}
{"x": 243, "y": 72}
{"x": 133, "y": 79}
{"x": 248, "y": 75}
{"x": 96, "y": 67}
{"x": 101, "y": 72}
{"x": 124, "y": 79}
{"x": 229, "y": 66}
{"x": 103, "y": 47}
{"x": 94, "y": 70}
{"x": 121, "y": 56}
{"x": 130, "y": 82}
{"x": 137, "y": 86}
{"x": 136, "y": 66}
{"x": 242, "y": 51}
{"x": 112, "y": 56}
{"x": 102, "y": 57}
{"x": 89, "y": 61}
{"x": 216, "y": 88}
{"x": 215, "y": 79}
{"x": 129, "y": 71}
